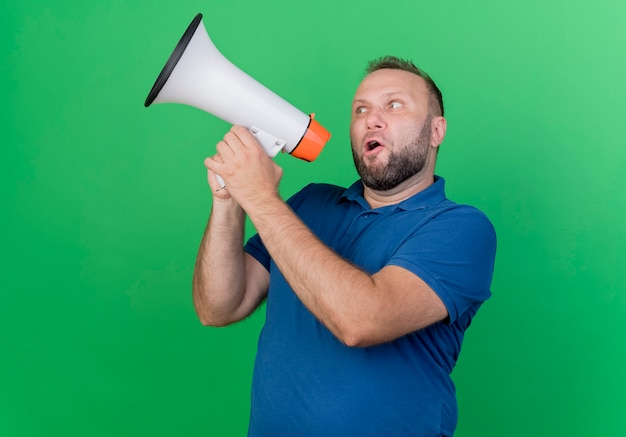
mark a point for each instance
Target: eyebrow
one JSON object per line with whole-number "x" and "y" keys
{"x": 387, "y": 95}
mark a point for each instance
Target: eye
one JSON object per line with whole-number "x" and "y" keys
{"x": 360, "y": 110}
{"x": 395, "y": 104}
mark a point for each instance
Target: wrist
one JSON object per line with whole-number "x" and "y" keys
{"x": 227, "y": 209}
{"x": 265, "y": 211}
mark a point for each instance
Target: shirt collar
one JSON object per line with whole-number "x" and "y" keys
{"x": 432, "y": 195}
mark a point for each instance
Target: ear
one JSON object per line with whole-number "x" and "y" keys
{"x": 438, "y": 131}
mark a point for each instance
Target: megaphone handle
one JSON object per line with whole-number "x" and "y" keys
{"x": 221, "y": 181}
{"x": 269, "y": 142}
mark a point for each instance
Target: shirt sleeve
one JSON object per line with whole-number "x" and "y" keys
{"x": 454, "y": 254}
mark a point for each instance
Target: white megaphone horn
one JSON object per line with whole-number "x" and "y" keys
{"x": 197, "y": 74}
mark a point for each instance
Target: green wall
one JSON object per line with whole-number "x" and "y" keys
{"x": 104, "y": 202}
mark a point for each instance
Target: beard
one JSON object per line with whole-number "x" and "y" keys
{"x": 402, "y": 165}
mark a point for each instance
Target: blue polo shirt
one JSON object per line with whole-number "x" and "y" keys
{"x": 307, "y": 383}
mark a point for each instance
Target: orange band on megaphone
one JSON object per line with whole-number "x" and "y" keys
{"x": 313, "y": 141}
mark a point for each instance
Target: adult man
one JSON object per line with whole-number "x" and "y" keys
{"x": 369, "y": 289}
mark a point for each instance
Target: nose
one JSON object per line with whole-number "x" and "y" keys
{"x": 375, "y": 120}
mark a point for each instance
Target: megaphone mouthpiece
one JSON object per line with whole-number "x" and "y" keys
{"x": 312, "y": 143}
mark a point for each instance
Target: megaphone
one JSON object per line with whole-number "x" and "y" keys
{"x": 197, "y": 74}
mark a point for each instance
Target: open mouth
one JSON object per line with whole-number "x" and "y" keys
{"x": 372, "y": 145}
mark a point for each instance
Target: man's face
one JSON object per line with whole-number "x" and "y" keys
{"x": 390, "y": 129}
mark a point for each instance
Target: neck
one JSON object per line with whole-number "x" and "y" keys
{"x": 408, "y": 188}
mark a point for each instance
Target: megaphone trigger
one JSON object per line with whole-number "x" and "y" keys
{"x": 269, "y": 142}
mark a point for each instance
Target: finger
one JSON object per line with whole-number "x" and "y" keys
{"x": 225, "y": 149}
{"x": 217, "y": 158}
{"x": 214, "y": 164}
{"x": 237, "y": 137}
{"x": 243, "y": 135}
{"x": 215, "y": 181}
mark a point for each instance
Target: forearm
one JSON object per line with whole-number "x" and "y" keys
{"x": 325, "y": 283}
{"x": 219, "y": 274}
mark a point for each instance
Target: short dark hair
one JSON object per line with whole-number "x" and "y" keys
{"x": 436, "y": 99}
